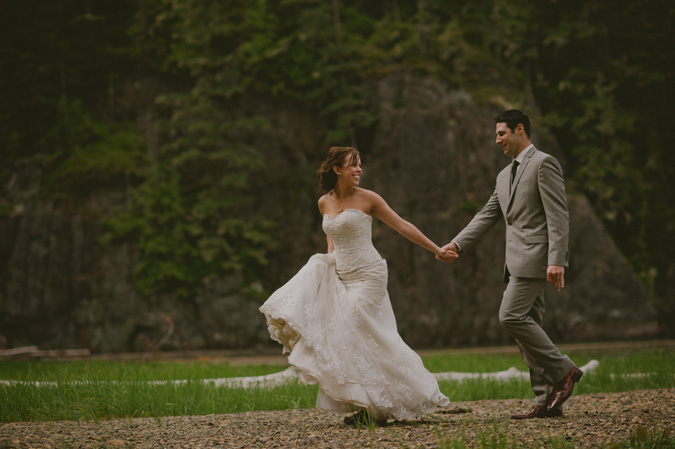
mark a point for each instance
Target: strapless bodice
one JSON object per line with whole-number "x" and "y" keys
{"x": 351, "y": 232}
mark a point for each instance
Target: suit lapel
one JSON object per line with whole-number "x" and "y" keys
{"x": 521, "y": 170}
{"x": 503, "y": 187}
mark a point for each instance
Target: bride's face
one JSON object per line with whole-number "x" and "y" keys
{"x": 350, "y": 173}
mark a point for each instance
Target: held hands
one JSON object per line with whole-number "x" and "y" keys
{"x": 448, "y": 253}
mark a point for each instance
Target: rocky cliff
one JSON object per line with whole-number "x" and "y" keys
{"x": 431, "y": 155}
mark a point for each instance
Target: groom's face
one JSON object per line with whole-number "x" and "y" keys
{"x": 509, "y": 141}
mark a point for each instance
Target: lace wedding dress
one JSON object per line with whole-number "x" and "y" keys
{"x": 335, "y": 318}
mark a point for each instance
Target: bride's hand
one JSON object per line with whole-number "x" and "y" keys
{"x": 446, "y": 255}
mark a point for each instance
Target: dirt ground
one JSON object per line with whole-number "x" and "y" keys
{"x": 590, "y": 421}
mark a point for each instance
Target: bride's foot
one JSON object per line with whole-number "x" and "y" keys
{"x": 365, "y": 419}
{"x": 356, "y": 418}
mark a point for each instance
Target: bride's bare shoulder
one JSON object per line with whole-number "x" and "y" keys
{"x": 326, "y": 198}
{"x": 324, "y": 201}
{"x": 370, "y": 195}
{"x": 370, "y": 200}
{"x": 365, "y": 193}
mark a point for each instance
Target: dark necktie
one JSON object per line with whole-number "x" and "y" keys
{"x": 514, "y": 169}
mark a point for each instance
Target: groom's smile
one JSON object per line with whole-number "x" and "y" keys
{"x": 510, "y": 142}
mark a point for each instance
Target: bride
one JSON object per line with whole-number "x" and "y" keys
{"x": 334, "y": 316}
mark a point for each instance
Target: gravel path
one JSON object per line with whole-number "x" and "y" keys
{"x": 589, "y": 421}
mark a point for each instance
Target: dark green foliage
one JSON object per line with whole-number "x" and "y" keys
{"x": 52, "y": 52}
{"x": 185, "y": 243}
{"x": 91, "y": 154}
{"x": 608, "y": 110}
{"x": 599, "y": 72}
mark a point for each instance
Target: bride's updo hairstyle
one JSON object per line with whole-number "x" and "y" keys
{"x": 336, "y": 156}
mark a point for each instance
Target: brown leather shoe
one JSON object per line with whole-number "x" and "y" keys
{"x": 540, "y": 411}
{"x": 555, "y": 412}
{"x": 537, "y": 411}
{"x": 563, "y": 389}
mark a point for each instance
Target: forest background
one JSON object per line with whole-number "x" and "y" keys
{"x": 597, "y": 74}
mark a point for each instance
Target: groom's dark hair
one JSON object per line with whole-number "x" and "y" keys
{"x": 514, "y": 117}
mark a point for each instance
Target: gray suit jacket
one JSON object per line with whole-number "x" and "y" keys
{"x": 536, "y": 216}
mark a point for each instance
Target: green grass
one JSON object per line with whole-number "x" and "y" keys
{"x": 126, "y": 370}
{"x": 106, "y": 400}
{"x": 99, "y": 390}
{"x": 613, "y": 375}
{"x": 94, "y": 390}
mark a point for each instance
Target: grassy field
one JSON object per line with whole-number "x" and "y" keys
{"x": 95, "y": 390}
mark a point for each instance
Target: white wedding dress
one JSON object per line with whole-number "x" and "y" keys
{"x": 335, "y": 318}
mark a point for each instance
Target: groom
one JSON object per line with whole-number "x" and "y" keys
{"x": 530, "y": 197}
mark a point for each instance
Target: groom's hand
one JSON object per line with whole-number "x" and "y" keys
{"x": 555, "y": 275}
{"x": 449, "y": 253}
{"x": 448, "y": 256}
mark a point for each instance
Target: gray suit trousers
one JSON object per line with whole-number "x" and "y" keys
{"x": 521, "y": 314}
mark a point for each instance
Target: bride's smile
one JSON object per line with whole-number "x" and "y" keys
{"x": 349, "y": 175}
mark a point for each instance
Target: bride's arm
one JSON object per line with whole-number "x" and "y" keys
{"x": 329, "y": 241}
{"x": 408, "y": 230}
